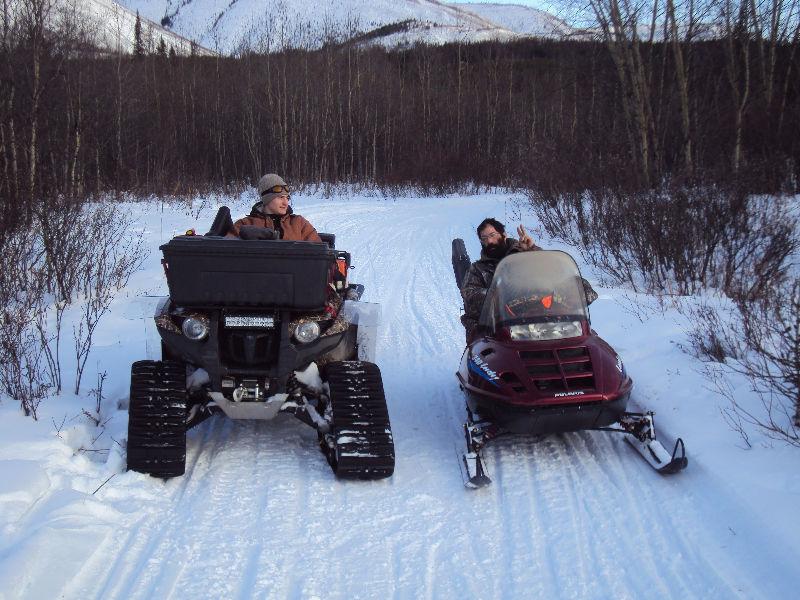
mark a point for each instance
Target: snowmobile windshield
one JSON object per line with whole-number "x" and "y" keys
{"x": 538, "y": 295}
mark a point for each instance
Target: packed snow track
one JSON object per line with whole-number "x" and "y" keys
{"x": 259, "y": 514}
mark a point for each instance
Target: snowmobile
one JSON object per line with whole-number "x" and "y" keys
{"x": 254, "y": 329}
{"x": 535, "y": 366}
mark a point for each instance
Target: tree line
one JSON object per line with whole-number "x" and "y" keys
{"x": 76, "y": 122}
{"x": 645, "y": 145}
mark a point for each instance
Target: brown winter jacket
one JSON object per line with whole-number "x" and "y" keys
{"x": 295, "y": 227}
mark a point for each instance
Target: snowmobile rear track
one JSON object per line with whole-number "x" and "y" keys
{"x": 364, "y": 448}
{"x": 157, "y": 418}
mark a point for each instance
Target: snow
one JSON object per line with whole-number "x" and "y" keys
{"x": 520, "y": 19}
{"x": 112, "y": 26}
{"x": 259, "y": 513}
{"x": 226, "y": 25}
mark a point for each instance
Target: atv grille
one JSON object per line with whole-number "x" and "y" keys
{"x": 561, "y": 370}
{"x": 246, "y": 348}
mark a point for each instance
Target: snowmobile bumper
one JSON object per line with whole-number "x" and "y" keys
{"x": 552, "y": 418}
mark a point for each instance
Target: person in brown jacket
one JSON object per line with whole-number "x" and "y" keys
{"x": 272, "y": 217}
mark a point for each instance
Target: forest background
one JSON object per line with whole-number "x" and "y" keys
{"x": 663, "y": 145}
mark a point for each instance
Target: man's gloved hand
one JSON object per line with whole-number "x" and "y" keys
{"x": 254, "y": 232}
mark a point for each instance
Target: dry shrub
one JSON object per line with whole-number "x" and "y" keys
{"x": 760, "y": 340}
{"x": 676, "y": 239}
{"x": 81, "y": 258}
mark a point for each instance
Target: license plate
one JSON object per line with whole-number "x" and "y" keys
{"x": 249, "y": 321}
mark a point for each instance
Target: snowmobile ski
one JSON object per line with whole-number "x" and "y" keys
{"x": 641, "y": 434}
{"x": 476, "y": 435}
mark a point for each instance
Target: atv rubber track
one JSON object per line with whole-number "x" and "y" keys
{"x": 364, "y": 448}
{"x": 157, "y": 418}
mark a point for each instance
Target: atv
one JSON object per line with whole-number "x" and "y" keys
{"x": 535, "y": 366}
{"x": 253, "y": 329}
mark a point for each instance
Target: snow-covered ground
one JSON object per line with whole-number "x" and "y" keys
{"x": 259, "y": 513}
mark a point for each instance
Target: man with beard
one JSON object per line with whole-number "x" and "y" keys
{"x": 495, "y": 246}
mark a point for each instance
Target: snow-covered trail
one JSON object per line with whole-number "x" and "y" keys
{"x": 259, "y": 514}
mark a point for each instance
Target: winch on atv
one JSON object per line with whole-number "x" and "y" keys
{"x": 253, "y": 329}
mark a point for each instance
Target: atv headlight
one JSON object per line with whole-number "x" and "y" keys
{"x": 306, "y": 332}
{"x": 195, "y": 328}
{"x": 546, "y": 331}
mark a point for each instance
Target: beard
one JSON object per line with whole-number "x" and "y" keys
{"x": 495, "y": 251}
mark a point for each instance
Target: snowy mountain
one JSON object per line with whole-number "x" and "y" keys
{"x": 523, "y": 20}
{"x": 268, "y": 24}
{"x": 112, "y": 26}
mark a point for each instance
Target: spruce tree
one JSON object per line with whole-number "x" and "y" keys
{"x": 138, "y": 46}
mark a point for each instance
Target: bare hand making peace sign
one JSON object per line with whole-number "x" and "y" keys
{"x": 524, "y": 239}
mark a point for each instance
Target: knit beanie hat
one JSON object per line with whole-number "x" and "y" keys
{"x": 267, "y": 182}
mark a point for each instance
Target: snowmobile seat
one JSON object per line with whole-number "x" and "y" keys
{"x": 460, "y": 260}
{"x": 222, "y": 223}
{"x": 328, "y": 238}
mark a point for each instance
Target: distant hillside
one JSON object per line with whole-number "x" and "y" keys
{"x": 112, "y": 26}
{"x": 524, "y": 20}
{"x": 231, "y": 25}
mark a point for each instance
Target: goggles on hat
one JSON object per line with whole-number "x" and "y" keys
{"x": 276, "y": 189}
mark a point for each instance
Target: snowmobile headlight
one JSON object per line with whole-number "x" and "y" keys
{"x": 546, "y": 331}
{"x": 306, "y": 332}
{"x": 195, "y": 328}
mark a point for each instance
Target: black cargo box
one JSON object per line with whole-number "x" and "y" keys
{"x": 204, "y": 271}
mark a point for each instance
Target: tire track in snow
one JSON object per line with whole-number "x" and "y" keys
{"x": 260, "y": 515}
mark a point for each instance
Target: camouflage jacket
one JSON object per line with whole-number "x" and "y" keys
{"x": 479, "y": 277}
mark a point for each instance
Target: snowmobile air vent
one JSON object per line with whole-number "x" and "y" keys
{"x": 562, "y": 370}
{"x": 511, "y": 378}
{"x": 547, "y": 369}
{"x": 567, "y": 353}
{"x": 576, "y": 365}
{"x": 581, "y": 383}
{"x": 536, "y": 354}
